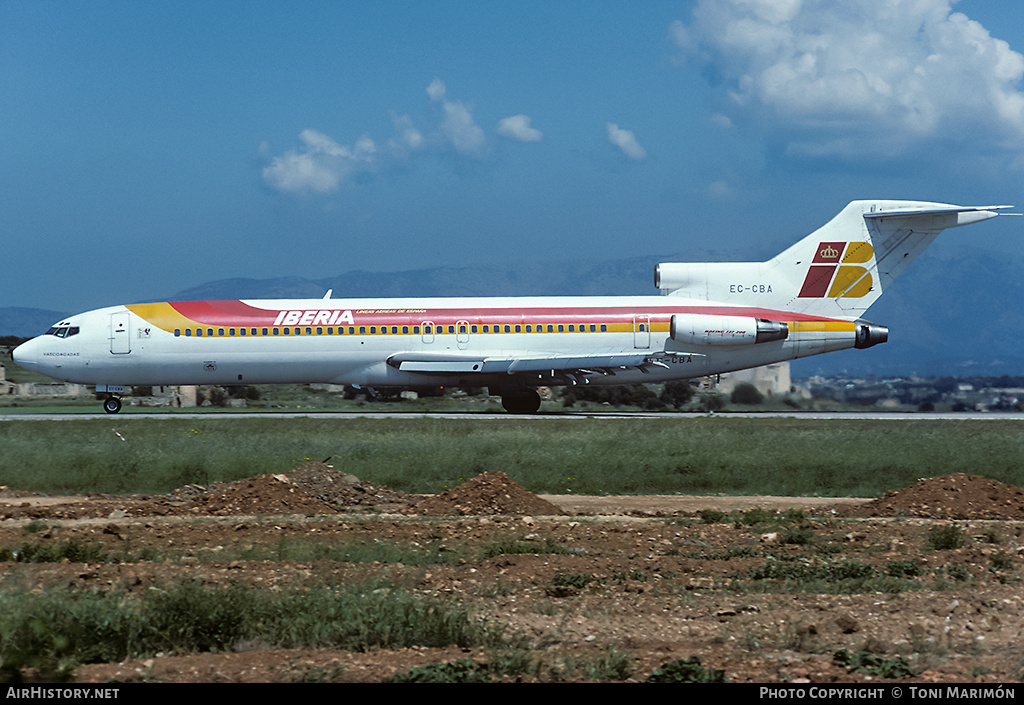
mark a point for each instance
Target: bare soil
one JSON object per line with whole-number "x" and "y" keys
{"x": 659, "y": 578}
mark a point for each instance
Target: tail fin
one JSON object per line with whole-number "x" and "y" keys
{"x": 839, "y": 270}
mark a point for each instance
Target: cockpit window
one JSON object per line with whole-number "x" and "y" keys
{"x": 63, "y": 331}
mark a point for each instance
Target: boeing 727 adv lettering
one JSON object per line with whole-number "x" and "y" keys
{"x": 711, "y": 318}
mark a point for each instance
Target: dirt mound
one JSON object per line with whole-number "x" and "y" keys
{"x": 487, "y": 493}
{"x": 957, "y": 496}
{"x": 310, "y": 488}
{"x": 341, "y": 490}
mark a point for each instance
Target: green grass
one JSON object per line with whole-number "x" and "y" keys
{"x": 56, "y": 630}
{"x": 574, "y": 455}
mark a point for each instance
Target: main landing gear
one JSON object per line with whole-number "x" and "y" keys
{"x": 526, "y": 401}
{"x": 112, "y": 404}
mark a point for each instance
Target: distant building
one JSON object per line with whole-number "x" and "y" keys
{"x": 773, "y": 381}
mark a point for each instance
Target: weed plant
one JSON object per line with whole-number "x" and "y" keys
{"x": 832, "y": 576}
{"x": 56, "y": 630}
{"x": 689, "y": 670}
{"x": 946, "y": 537}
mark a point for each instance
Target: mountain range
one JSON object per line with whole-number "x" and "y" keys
{"x": 952, "y": 313}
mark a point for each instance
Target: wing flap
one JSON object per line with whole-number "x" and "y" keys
{"x": 455, "y": 363}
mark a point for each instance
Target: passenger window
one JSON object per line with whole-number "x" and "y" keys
{"x": 550, "y": 328}
{"x": 572, "y": 328}
{"x": 188, "y": 332}
{"x": 604, "y": 327}
{"x": 508, "y": 328}
{"x": 405, "y": 330}
{"x": 416, "y": 330}
{"x": 319, "y": 331}
{"x": 487, "y": 329}
{"x": 199, "y": 332}
{"x": 451, "y": 329}
{"x": 177, "y": 332}
{"x": 529, "y": 328}
{"x": 220, "y": 332}
{"x": 472, "y": 329}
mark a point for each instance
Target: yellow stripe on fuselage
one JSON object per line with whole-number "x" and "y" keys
{"x": 821, "y": 326}
{"x": 161, "y": 315}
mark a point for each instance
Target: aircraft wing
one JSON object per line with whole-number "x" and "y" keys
{"x": 604, "y": 362}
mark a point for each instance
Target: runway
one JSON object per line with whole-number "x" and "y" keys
{"x": 610, "y": 415}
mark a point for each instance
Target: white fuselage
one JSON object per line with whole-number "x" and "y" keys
{"x": 352, "y": 341}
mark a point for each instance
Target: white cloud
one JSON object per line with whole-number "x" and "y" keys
{"x": 626, "y": 141}
{"x": 460, "y": 131}
{"x": 721, "y": 121}
{"x": 320, "y": 165}
{"x": 860, "y": 75}
{"x": 720, "y": 189}
{"x": 408, "y": 137}
{"x": 436, "y": 90}
{"x": 518, "y": 128}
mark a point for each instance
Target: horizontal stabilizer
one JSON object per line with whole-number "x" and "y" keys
{"x": 964, "y": 215}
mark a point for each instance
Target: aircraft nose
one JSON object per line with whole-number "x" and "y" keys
{"x": 27, "y": 354}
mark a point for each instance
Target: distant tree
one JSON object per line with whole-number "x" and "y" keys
{"x": 244, "y": 391}
{"x": 712, "y": 402}
{"x": 615, "y": 395}
{"x": 677, "y": 394}
{"x": 746, "y": 393}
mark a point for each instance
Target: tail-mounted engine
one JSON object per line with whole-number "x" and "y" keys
{"x": 869, "y": 334}
{"x": 702, "y": 329}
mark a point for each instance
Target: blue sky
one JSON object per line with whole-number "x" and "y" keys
{"x": 150, "y": 147}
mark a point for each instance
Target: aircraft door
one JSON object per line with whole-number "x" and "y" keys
{"x": 462, "y": 334}
{"x": 427, "y": 331}
{"x": 641, "y": 331}
{"x": 120, "y": 341}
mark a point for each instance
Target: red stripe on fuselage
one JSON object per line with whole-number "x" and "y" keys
{"x": 238, "y": 313}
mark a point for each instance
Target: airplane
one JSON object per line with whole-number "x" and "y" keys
{"x": 710, "y": 318}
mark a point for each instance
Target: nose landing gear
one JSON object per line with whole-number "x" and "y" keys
{"x": 112, "y": 404}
